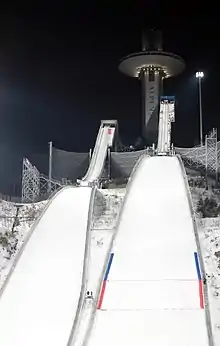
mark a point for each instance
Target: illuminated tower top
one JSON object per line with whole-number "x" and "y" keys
{"x": 151, "y": 66}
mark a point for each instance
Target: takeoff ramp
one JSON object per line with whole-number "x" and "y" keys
{"x": 39, "y": 301}
{"x": 152, "y": 292}
{"x": 104, "y": 140}
{"x": 167, "y": 116}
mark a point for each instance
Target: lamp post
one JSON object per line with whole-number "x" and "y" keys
{"x": 50, "y": 166}
{"x": 200, "y": 75}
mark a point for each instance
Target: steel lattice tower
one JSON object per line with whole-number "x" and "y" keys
{"x": 30, "y": 182}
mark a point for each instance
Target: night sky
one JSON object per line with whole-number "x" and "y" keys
{"x": 59, "y": 73}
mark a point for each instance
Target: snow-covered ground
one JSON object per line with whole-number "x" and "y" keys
{"x": 43, "y": 292}
{"x": 153, "y": 285}
{"x": 107, "y": 207}
{"x": 209, "y": 233}
{"x": 14, "y": 226}
{"x": 201, "y": 193}
{"x": 105, "y": 213}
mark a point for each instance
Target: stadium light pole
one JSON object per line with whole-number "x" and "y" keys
{"x": 199, "y": 76}
{"x": 50, "y": 166}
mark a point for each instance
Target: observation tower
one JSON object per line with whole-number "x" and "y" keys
{"x": 151, "y": 65}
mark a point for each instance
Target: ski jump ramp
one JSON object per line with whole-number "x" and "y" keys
{"x": 104, "y": 141}
{"x": 39, "y": 302}
{"x": 152, "y": 291}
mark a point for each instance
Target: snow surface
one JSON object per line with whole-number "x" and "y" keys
{"x": 152, "y": 293}
{"x": 104, "y": 140}
{"x": 38, "y": 304}
{"x": 209, "y": 232}
{"x": 102, "y": 232}
{"x": 106, "y": 209}
{"x": 14, "y": 238}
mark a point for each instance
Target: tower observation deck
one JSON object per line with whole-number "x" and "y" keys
{"x": 151, "y": 65}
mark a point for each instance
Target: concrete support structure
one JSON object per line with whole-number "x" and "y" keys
{"x": 167, "y": 116}
{"x": 151, "y": 65}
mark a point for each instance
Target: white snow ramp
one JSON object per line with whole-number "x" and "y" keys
{"x": 152, "y": 294}
{"x": 39, "y": 302}
{"x": 103, "y": 142}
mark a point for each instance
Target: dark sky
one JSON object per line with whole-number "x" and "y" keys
{"x": 59, "y": 71}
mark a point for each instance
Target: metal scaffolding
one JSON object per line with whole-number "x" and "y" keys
{"x": 205, "y": 156}
{"x": 48, "y": 186}
{"x": 211, "y": 144}
{"x": 36, "y": 186}
{"x": 30, "y": 182}
{"x": 195, "y": 157}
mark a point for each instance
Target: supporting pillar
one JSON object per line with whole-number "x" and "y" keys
{"x": 151, "y": 88}
{"x": 109, "y": 163}
{"x": 90, "y": 155}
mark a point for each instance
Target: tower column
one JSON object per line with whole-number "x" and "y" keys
{"x": 151, "y": 89}
{"x": 151, "y": 65}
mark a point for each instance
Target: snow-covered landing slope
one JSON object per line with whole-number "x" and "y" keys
{"x": 14, "y": 228}
{"x": 210, "y": 243}
{"x": 103, "y": 142}
{"x": 39, "y": 300}
{"x": 152, "y": 293}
